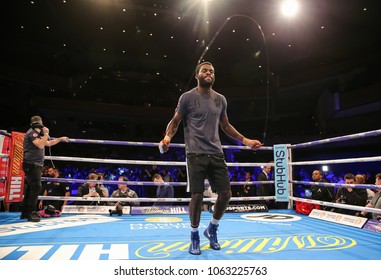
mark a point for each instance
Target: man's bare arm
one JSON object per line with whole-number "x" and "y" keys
{"x": 171, "y": 130}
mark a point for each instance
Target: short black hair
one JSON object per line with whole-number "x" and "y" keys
{"x": 157, "y": 176}
{"x": 349, "y": 176}
{"x": 201, "y": 64}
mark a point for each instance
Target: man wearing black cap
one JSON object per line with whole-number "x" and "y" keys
{"x": 35, "y": 141}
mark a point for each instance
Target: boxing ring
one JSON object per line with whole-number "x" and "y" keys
{"x": 276, "y": 234}
{"x": 279, "y": 235}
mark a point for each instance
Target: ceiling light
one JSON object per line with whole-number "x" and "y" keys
{"x": 289, "y": 8}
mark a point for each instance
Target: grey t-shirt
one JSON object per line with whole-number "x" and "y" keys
{"x": 201, "y": 118}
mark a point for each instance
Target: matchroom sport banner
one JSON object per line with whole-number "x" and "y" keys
{"x": 15, "y": 180}
{"x": 281, "y": 173}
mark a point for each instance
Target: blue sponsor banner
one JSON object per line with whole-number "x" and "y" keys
{"x": 281, "y": 173}
{"x": 373, "y": 225}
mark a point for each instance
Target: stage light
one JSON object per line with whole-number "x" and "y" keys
{"x": 289, "y": 8}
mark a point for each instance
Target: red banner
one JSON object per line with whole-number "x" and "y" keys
{"x": 15, "y": 180}
{"x": 5, "y": 146}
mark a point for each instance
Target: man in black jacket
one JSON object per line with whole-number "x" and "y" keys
{"x": 90, "y": 189}
{"x": 322, "y": 193}
{"x": 352, "y": 196}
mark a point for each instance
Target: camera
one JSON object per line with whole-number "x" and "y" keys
{"x": 118, "y": 210}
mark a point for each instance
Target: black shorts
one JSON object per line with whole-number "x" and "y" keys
{"x": 207, "y": 166}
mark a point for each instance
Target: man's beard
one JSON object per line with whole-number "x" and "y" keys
{"x": 205, "y": 84}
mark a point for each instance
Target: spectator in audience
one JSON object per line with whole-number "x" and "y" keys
{"x": 360, "y": 179}
{"x": 166, "y": 175}
{"x": 90, "y": 189}
{"x": 376, "y": 200}
{"x": 349, "y": 195}
{"x": 322, "y": 193}
{"x": 55, "y": 189}
{"x": 124, "y": 191}
{"x": 181, "y": 175}
{"x": 150, "y": 173}
{"x": 266, "y": 189}
{"x": 46, "y": 172}
{"x": 162, "y": 191}
{"x": 247, "y": 189}
{"x": 101, "y": 186}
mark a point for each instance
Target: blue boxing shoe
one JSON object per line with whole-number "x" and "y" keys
{"x": 211, "y": 234}
{"x": 194, "y": 247}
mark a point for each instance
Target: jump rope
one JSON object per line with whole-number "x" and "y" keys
{"x": 267, "y": 64}
{"x": 264, "y": 134}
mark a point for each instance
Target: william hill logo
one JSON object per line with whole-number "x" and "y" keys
{"x": 253, "y": 245}
{"x": 250, "y": 245}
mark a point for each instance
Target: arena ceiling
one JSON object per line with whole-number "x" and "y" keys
{"x": 317, "y": 71}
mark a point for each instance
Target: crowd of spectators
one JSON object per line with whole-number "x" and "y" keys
{"x": 178, "y": 174}
{"x": 144, "y": 173}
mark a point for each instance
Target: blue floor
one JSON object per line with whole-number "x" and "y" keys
{"x": 276, "y": 235}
